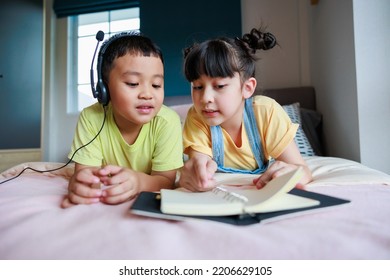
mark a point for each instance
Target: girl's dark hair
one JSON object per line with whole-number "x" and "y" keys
{"x": 127, "y": 43}
{"x": 222, "y": 57}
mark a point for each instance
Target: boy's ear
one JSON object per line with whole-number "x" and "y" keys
{"x": 249, "y": 87}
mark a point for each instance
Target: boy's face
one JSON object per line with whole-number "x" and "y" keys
{"x": 136, "y": 86}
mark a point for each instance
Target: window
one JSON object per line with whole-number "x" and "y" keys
{"x": 83, "y": 29}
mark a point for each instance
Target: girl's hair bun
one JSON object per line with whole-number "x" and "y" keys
{"x": 258, "y": 40}
{"x": 269, "y": 41}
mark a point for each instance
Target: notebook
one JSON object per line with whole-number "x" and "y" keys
{"x": 148, "y": 204}
{"x": 229, "y": 200}
{"x": 286, "y": 201}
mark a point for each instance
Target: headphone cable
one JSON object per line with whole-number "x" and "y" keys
{"x": 69, "y": 161}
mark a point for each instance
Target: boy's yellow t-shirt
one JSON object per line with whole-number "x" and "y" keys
{"x": 274, "y": 125}
{"x": 158, "y": 147}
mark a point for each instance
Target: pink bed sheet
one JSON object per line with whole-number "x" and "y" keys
{"x": 33, "y": 226}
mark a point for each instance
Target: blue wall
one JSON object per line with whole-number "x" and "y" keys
{"x": 176, "y": 24}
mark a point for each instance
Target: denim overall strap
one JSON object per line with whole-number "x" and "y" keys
{"x": 254, "y": 141}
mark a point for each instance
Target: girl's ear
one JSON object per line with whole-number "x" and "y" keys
{"x": 249, "y": 87}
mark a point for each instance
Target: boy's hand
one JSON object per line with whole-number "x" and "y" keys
{"x": 112, "y": 184}
{"x": 197, "y": 173}
{"x": 82, "y": 187}
{"x": 120, "y": 184}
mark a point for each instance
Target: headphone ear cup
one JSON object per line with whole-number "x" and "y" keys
{"x": 102, "y": 93}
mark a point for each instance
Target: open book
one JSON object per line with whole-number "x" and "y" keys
{"x": 279, "y": 194}
{"x": 227, "y": 199}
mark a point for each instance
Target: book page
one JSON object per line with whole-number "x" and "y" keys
{"x": 207, "y": 203}
{"x": 235, "y": 179}
{"x": 281, "y": 202}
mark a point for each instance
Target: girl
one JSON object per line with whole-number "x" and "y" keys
{"x": 227, "y": 129}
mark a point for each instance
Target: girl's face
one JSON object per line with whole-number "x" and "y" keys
{"x": 220, "y": 101}
{"x": 136, "y": 86}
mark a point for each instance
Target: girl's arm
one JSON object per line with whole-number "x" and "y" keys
{"x": 289, "y": 160}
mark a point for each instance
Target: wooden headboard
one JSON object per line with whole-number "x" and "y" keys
{"x": 284, "y": 96}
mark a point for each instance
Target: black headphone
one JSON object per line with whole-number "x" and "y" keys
{"x": 101, "y": 91}
{"x": 97, "y": 93}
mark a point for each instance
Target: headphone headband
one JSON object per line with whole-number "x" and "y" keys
{"x": 101, "y": 92}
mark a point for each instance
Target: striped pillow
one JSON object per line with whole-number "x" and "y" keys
{"x": 293, "y": 111}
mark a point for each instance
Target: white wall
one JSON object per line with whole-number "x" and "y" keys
{"x": 286, "y": 65}
{"x": 372, "y": 44}
{"x": 350, "y": 70}
{"x": 342, "y": 49}
{"x": 334, "y": 75}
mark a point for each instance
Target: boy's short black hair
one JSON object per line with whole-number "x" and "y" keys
{"x": 126, "y": 43}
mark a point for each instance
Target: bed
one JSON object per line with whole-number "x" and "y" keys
{"x": 33, "y": 226}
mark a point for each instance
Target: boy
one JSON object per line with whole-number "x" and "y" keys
{"x": 140, "y": 143}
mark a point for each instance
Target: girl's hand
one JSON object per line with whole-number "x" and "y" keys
{"x": 197, "y": 173}
{"x": 289, "y": 160}
{"x": 277, "y": 169}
